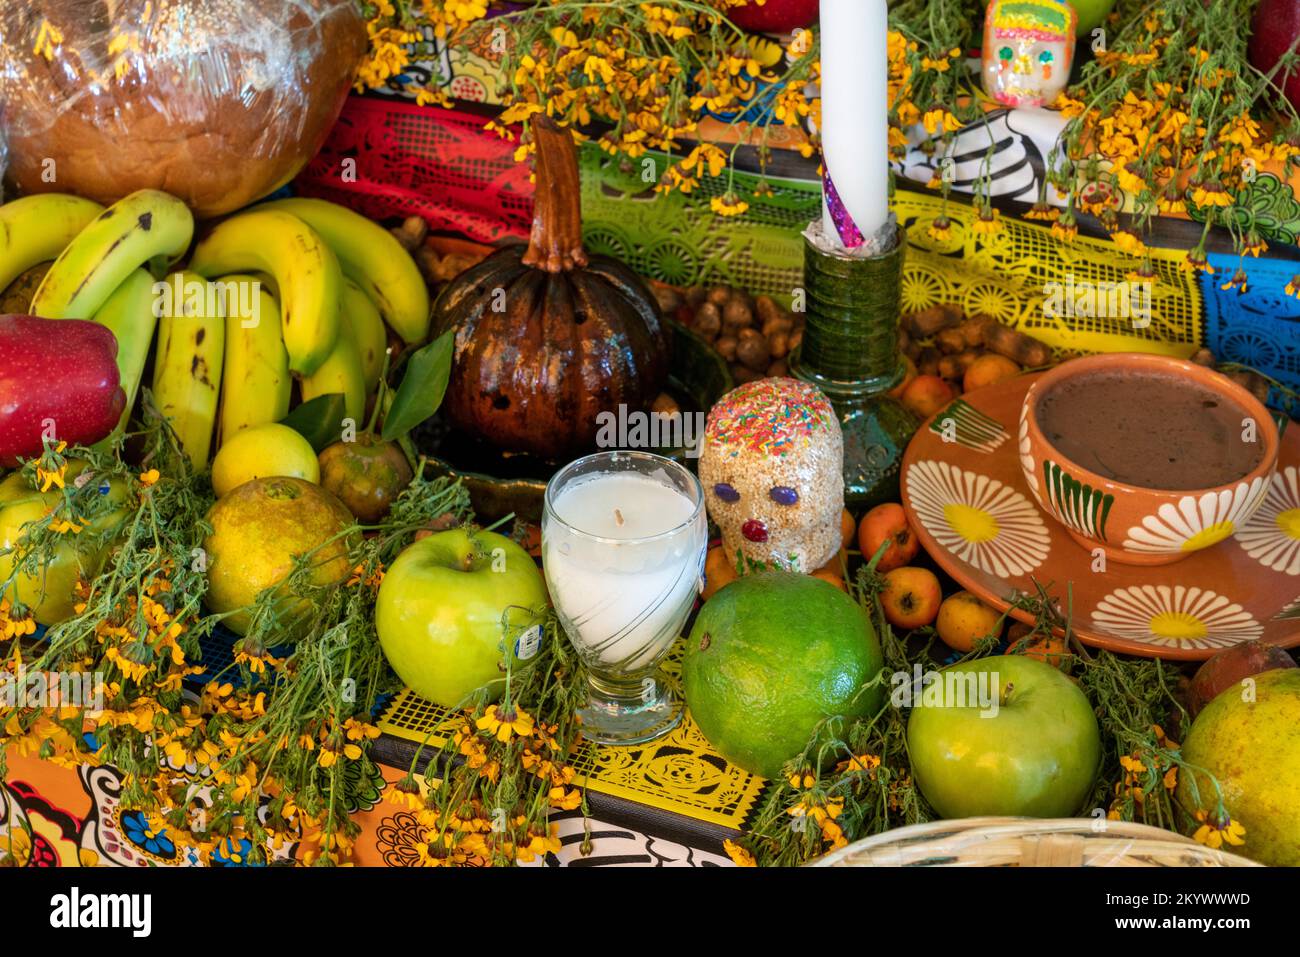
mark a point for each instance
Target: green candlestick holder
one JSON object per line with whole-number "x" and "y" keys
{"x": 850, "y": 351}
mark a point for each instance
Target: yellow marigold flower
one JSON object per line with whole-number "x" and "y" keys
{"x": 1129, "y": 242}
{"x": 938, "y": 120}
{"x": 940, "y": 229}
{"x": 1238, "y": 281}
{"x": 49, "y": 478}
{"x": 1214, "y": 833}
{"x": 989, "y": 222}
{"x": 1211, "y": 194}
{"x": 1254, "y": 245}
{"x": 1195, "y": 262}
{"x": 564, "y": 800}
{"x": 150, "y": 477}
{"x": 802, "y": 779}
{"x": 1044, "y": 212}
{"x": 859, "y": 762}
{"x": 504, "y": 724}
{"x": 1065, "y": 232}
{"x": 739, "y": 856}
{"x": 405, "y": 794}
{"x": 729, "y": 205}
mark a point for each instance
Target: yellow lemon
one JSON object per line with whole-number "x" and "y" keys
{"x": 263, "y": 451}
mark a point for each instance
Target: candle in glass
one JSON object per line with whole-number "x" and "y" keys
{"x": 624, "y": 537}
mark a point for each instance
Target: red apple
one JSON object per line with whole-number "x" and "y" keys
{"x": 775, "y": 16}
{"x": 1277, "y": 23}
{"x": 56, "y": 372}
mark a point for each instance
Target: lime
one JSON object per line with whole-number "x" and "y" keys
{"x": 771, "y": 655}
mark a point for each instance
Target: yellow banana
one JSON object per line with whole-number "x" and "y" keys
{"x": 255, "y": 383}
{"x": 35, "y": 229}
{"x": 372, "y": 258}
{"x": 305, "y": 270}
{"x": 362, "y": 319}
{"x": 187, "y": 365}
{"x": 129, "y": 314}
{"x": 148, "y": 226}
{"x": 340, "y": 372}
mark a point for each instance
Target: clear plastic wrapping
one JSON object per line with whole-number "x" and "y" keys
{"x": 216, "y": 101}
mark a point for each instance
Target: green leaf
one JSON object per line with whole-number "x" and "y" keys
{"x": 319, "y": 420}
{"x": 422, "y": 388}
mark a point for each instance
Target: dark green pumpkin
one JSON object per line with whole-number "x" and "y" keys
{"x": 548, "y": 337}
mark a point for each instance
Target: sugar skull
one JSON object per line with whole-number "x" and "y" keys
{"x": 771, "y": 469}
{"x": 1028, "y": 49}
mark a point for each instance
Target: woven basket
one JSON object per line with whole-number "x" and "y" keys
{"x": 1026, "y": 842}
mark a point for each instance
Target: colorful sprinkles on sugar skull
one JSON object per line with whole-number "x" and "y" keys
{"x": 771, "y": 466}
{"x": 773, "y": 416}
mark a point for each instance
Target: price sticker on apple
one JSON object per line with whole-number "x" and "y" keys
{"x": 529, "y": 643}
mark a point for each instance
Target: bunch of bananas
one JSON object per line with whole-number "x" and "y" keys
{"x": 290, "y": 289}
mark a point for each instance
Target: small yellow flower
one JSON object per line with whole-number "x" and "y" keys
{"x": 1214, "y": 833}
{"x": 738, "y": 854}
{"x": 1293, "y": 287}
{"x": 1064, "y": 231}
{"x": 405, "y": 794}
{"x": 504, "y": 724}
{"x": 1237, "y": 282}
{"x": 1128, "y": 241}
{"x": 150, "y": 477}
{"x": 729, "y": 204}
{"x": 940, "y": 229}
{"x": 860, "y": 762}
{"x": 1044, "y": 212}
{"x": 989, "y": 222}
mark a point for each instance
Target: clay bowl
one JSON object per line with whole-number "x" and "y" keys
{"x": 1131, "y": 524}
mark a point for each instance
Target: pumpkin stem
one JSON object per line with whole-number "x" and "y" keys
{"x": 556, "y": 241}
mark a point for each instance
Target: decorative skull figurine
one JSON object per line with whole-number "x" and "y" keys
{"x": 1028, "y": 49}
{"x": 771, "y": 470}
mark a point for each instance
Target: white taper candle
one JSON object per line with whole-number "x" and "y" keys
{"x": 855, "y": 111}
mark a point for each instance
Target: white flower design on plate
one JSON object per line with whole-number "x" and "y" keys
{"x": 1027, "y": 460}
{"x": 1175, "y": 617}
{"x": 1196, "y": 522}
{"x": 1272, "y": 535}
{"x": 980, "y": 520}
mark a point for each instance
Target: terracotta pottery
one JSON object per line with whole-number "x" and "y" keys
{"x": 1131, "y": 524}
{"x": 967, "y": 497}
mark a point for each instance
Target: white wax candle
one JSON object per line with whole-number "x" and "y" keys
{"x": 855, "y": 110}
{"x": 623, "y": 599}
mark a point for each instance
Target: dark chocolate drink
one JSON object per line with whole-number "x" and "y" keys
{"x": 1150, "y": 429}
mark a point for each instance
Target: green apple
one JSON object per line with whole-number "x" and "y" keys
{"x": 1092, "y": 13}
{"x": 1003, "y": 736}
{"x": 49, "y": 593}
{"x": 446, "y": 607}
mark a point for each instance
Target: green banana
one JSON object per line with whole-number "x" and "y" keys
{"x": 372, "y": 258}
{"x": 35, "y": 229}
{"x": 148, "y": 226}
{"x": 341, "y": 372}
{"x": 129, "y": 314}
{"x": 305, "y": 270}
{"x": 187, "y": 368}
{"x": 255, "y": 384}
{"x": 367, "y": 327}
